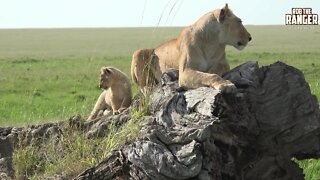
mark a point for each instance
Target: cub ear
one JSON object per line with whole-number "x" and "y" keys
{"x": 223, "y": 13}
{"x": 226, "y": 7}
{"x": 106, "y": 70}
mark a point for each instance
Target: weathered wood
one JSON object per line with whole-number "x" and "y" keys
{"x": 252, "y": 133}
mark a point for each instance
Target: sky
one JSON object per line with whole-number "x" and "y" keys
{"x": 138, "y": 13}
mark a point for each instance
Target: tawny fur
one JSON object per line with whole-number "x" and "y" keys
{"x": 116, "y": 95}
{"x": 198, "y": 52}
{"x": 144, "y": 68}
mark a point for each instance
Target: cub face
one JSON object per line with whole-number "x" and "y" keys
{"x": 105, "y": 78}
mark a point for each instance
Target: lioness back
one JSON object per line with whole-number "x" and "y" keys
{"x": 144, "y": 68}
{"x": 140, "y": 60}
{"x": 168, "y": 54}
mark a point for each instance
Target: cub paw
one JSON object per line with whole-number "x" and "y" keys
{"x": 119, "y": 111}
{"x": 115, "y": 113}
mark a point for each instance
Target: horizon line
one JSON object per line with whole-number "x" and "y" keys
{"x": 117, "y": 27}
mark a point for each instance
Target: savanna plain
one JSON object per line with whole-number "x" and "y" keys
{"x": 49, "y": 75}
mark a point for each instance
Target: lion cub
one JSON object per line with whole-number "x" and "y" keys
{"x": 116, "y": 95}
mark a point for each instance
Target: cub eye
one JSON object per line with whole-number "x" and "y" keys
{"x": 239, "y": 21}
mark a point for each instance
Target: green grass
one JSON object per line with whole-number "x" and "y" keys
{"x": 74, "y": 152}
{"x": 51, "y": 74}
{"x": 37, "y": 90}
{"x": 70, "y": 156}
{"x": 40, "y": 90}
{"x": 311, "y": 168}
{"x": 79, "y": 43}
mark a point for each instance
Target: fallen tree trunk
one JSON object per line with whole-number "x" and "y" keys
{"x": 252, "y": 133}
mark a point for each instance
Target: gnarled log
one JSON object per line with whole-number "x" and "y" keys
{"x": 252, "y": 133}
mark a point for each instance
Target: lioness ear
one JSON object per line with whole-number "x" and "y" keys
{"x": 223, "y": 13}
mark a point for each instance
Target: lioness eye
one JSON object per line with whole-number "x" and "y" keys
{"x": 239, "y": 21}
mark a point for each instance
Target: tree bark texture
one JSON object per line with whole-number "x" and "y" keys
{"x": 252, "y": 133}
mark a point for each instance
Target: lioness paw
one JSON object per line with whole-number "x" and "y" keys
{"x": 227, "y": 86}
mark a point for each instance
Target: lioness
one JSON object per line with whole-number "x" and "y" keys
{"x": 199, "y": 51}
{"x": 116, "y": 95}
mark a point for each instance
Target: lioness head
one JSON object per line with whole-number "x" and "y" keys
{"x": 232, "y": 30}
{"x": 105, "y": 78}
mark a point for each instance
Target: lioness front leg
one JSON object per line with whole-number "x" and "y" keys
{"x": 189, "y": 78}
{"x": 219, "y": 69}
{"x": 99, "y": 106}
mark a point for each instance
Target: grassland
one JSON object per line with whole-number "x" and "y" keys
{"x": 51, "y": 74}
